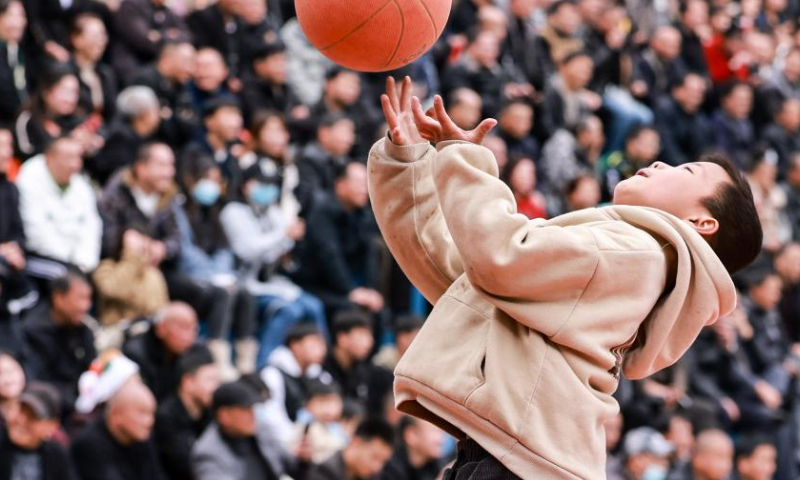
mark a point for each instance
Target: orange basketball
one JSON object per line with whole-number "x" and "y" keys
{"x": 373, "y": 35}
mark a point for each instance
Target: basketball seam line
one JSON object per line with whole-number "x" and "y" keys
{"x": 357, "y": 27}
{"x": 430, "y": 17}
{"x": 402, "y": 33}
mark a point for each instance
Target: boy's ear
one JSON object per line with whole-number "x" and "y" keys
{"x": 705, "y": 226}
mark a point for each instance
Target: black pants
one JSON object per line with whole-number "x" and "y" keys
{"x": 475, "y": 463}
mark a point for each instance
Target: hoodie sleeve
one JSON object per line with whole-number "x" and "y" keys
{"x": 407, "y": 209}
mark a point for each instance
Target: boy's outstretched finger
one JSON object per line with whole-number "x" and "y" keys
{"x": 391, "y": 91}
{"x": 389, "y": 113}
{"x": 405, "y": 94}
{"x": 423, "y": 121}
{"x": 483, "y": 129}
{"x": 441, "y": 114}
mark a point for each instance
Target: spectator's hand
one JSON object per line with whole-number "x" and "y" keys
{"x": 157, "y": 252}
{"x": 135, "y": 243}
{"x": 436, "y": 126}
{"x": 592, "y": 100}
{"x": 154, "y": 36}
{"x": 56, "y": 51}
{"x": 397, "y": 110}
{"x": 235, "y": 85}
{"x": 300, "y": 112}
{"x": 375, "y": 301}
{"x": 769, "y": 395}
{"x": 639, "y": 89}
{"x": 367, "y": 298}
{"x": 519, "y": 90}
{"x": 731, "y": 409}
{"x": 297, "y": 230}
{"x": 13, "y": 255}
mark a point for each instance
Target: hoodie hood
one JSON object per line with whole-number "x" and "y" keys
{"x": 703, "y": 292}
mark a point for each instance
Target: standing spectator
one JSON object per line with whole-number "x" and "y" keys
{"x": 783, "y": 134}
{"x": 684, "y": 131}
{"x": 712, "y": 458}
{"x": 336, "y": 257}
{"x": 58, "y": 344}
{"x": 118, "y": 446}
{"x": 520, "y": 175}
{"x": 233, "y": 447}
{"x": 755, "y": 458}
{"x": 97, "y": 81}
{"x": 182, "y": 418}
{"x": 12, "y": 384}
{"x": 642, "y": 147}
{"x": 419, "y": 454}
{"x": 158, "y": 351}
{"x": 140, "y": 27}
{"x": 26, "y": 448}
{"x": 13, "y": 71}
{"x": 364, "y": 458}
{"x": 733, "y": 131}
{"x": 58, "y": 207}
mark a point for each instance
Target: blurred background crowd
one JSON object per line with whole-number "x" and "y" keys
{"x": 192, "y": 285}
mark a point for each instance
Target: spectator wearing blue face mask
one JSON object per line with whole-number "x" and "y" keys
{"x": 206, "y": 254}
{"x": 261, "y": 234}
{"x": 646, "y": 455}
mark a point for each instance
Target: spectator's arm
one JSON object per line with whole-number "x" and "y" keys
{"x": 246, "y": 238}
{"x": 88, "y": 254}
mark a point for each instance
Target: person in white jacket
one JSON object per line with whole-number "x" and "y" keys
{"x": 59, "y": 207}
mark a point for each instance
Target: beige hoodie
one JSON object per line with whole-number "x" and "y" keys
{"x": 532, "y": 318}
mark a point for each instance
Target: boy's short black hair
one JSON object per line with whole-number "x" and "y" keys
{"x": 375, "y": 429}
{"x": 300, "y": 331}
{"x": 347, "y": 320}
{"x": 636, "y": 130}
{"x": 63, "y": 283}
{"x": 746, "y": 445}
{"x": 268, "y": 49}
{"x": 407, "y": 323}
{"x": 317, "y": 388}
{"x": 739, "y": 238}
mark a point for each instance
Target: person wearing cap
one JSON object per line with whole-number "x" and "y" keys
{"x": 26, "y": 449}
{"x": 232, "y": 447}
{"x": 182, "y": 418}
{"x": 118, "y": 446}
{"x": 646, "y": 454}
{"x": 712, "y": 458}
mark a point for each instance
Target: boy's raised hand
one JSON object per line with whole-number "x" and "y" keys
{"x": 437, "y": 126}
{"x": 398, "y": 113}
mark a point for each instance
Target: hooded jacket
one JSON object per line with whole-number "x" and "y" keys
{"x": 533, "y": 318}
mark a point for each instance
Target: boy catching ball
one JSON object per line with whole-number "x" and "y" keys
{"x": 535, "y": 320}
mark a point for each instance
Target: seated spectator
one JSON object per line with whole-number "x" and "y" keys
{"x": 419, "y": 454}
{"x": 12, "y": 384}
{"x": 646, "y": 454}
{"x": 223, "y": 123}
{"x": 755, "y": 458}
{"x": 13, "y": 74}
{"x": 97, "y": 81}
{"x": 499, "y": 149}
{"x": 138, "y": 117}
{"x": 520, "y": 175}
{"x": 733, "y": 131}
{"x": 267, "y": 87}
{"x": 363, "y": 458}
{"x": 406, "y": 328}
{"x": 182, "y": 418}
{"x": 685, "y": 133}
{"x": 559, "y": 37}
{"x": 131, "y": 286}
{"x": 656, "y": 68}
{"x": 57, "y": 343}
{"x": 515, "y": 126}
{"x": 465, "y": 106}
{"x": 347, "y": 361}
{"x": 233, "y": 447}
{"x": 119, "y": 445}
{"x": 26, "y": 448}
{"x": 140, "y": 27}
{"x": 319, "y": 162}
{"x": 791, "y": 188}
{"x": 58, "y": 207}
{"x": 712, "y": 458}
{"x": 260, "y": 235}
{"x": 642, "y": 146}
{"x": 286, "y": 375}
{"x": 206, "y": 254}
{"x": 144, "y": 198}
{"x": 582, "y": 192}
{"x": 158, "y": 351}
{"x": 783, "y": 82}
{"x": 567, "y": 101}
{"x": 770, "y": 200}
{"x": 260, "y": 23}
{"x": 336, "y": 256}
{"x": 210, "y": 77}
{"x": 169, "y": 78}
{"x": 17, "y": 293}
{"x": 318, "y": 422}
{"x": 783, "y": 134}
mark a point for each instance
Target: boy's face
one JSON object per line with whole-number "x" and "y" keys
{"x": 675, "y": 190}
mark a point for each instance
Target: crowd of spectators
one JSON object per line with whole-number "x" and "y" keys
{"x": 192, "y": 284}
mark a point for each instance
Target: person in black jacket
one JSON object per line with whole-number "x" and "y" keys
{"x": 182, "y": 418}
{"x": 118, "y": 446}
{"x": 419, "y": 454}
{"x": 364, "y": 458}
{"x": 26, "y": 451}
{"x": 266, "y": 88}
{"x": 684, "y": 131}
{"x": 58, "y": 346}
{"x": 98, "y": 83}
{"x": 158, "y": 351}
{"x": 783, "y": 135}
{"x": 13, "y": 74}
{"x": 218, "y": 26}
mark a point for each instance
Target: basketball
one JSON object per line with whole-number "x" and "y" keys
{"x": 373, "y": 35}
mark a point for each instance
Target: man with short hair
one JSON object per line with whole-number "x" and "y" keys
{"x": 364, "y": 458}
{"x": 158, "y": 351}
{"x": 712, "y": 458}
{"x": 684, "y": 131}
{"x": 182, "y": 418}
{"x": 465, "y": 105}
{"x": 58, "y": 345}
{"x": 26, "y": 449}
{"x": 118, "y": 446}
{"x": 755, "y": 458}
{"x": 58, "y": 206}
{"x": 420, "y": 452}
